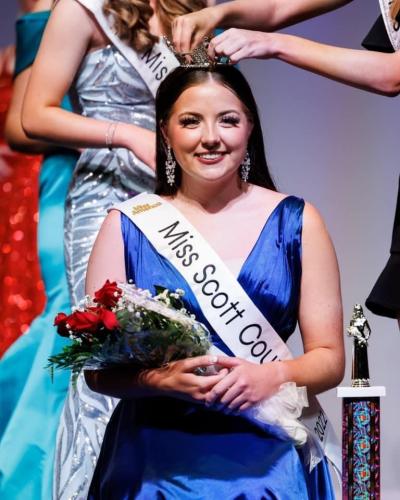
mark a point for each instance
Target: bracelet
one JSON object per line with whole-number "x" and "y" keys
{"x": 110, "y": 134}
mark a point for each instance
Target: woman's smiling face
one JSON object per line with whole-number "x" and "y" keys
{"x": 208, "y": 130}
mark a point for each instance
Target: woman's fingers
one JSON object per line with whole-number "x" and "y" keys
{"x": 184, "y": 33}
{"x": 228, "y": 361}
{"x": 226, "y": 43}
{"x": 189, "y": 31}
{"x": 236, "y": 403}
{"x": 207, "y": 382}
{"x": 234, "y": 392}
{"x": 197, "y": 387}
{"x": 177, "y": 35}
{"x": 245, "y": 406}
{"x": 190, "y": 364}
{"x": 238, "y": 44}
{"x": 238, "y": 56}
{"x": 219, "y": 389}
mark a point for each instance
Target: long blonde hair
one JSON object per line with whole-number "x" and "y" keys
{"x": 131, "y": 18}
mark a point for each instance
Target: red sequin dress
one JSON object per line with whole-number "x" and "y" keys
{"x": 21, "y": 288}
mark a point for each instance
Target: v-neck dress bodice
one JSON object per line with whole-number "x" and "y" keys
{"x": 270, "y": 274}
{"x": 167, "y": 448}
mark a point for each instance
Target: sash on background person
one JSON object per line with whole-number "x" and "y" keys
{"x": 392, "y": 25}
{"x": 227, "y": 307}
{"x": 153, "y": 65}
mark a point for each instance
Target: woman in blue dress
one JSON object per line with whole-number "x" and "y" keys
{"x": 176, "y": 434}
{"x": 31, "y": 402}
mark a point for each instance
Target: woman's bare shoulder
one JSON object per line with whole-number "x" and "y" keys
{"x": 267, "y": 196}
{"x": 312, "y": 218}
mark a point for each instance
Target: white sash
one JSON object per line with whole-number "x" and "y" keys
{"x": 392, "y": 26}
{"x": 153, "y": 65}
{"x": 227, "y": 307}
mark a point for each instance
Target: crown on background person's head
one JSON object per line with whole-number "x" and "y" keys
{"x": 199, "y": 57}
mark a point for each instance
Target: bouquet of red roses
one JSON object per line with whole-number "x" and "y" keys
{"x": 123, "y": 324}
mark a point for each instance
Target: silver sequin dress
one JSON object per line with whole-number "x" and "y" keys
{"x": 107, "y": 88}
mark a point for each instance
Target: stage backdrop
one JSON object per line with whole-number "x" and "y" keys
{"x": 338, "y": 148}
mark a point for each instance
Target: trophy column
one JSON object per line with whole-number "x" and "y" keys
{"x": 361, "y": 420}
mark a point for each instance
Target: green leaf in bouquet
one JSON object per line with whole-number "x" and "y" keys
{"x": 152, "y": 331}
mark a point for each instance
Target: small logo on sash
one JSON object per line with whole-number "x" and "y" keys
{"x": 137, "y": 209}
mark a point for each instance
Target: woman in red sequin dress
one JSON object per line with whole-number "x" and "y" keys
{"x": 21, "y": 288}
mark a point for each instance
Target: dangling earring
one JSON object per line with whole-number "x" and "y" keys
{"x": 170, "y": 165}
{"x": 245, "y": 167}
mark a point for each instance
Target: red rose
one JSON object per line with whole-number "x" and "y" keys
{"x": 60, "y": 321}
{"x": 108, "y": 294}
{"x": 81, "y": 321}
{"x": 109, "y": 319}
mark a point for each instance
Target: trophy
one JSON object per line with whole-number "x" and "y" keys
{"x": 360, "y": 330}
{"x": 360, "y": 419}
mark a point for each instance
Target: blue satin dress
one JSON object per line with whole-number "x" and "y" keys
{"x": 164, "y": 448}
{"x": 30, "y": 402}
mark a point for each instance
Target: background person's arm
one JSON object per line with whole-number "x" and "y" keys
{"x": 14, "y": 134}
{"x": 265, "y": 15}
{"x": 273, "y": 14}
{"x": 65, "y": 43}
{"x": 368, "y": 70}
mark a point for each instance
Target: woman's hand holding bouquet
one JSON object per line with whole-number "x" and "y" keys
{"x": 184, "y": 379}
{"x": 125, "y": 327}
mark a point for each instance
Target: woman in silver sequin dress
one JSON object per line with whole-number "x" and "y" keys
{"x": 116, "y": 109}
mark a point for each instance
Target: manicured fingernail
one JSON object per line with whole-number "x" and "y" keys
{"x": 213, "y": 359}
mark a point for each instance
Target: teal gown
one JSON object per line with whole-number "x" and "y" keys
{"x": 30, "y": 402}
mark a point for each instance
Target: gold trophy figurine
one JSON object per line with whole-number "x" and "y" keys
{"x": 360, "y": 330}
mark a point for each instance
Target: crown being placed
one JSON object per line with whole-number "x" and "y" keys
{"x": 199, "y": 57}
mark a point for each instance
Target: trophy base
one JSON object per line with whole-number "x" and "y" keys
{"x": 361, "y": 441}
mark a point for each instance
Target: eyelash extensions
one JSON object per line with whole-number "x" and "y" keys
{"x": 191, "y": 120}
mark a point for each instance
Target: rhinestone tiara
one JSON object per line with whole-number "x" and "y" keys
{"x": 199, "y": 57}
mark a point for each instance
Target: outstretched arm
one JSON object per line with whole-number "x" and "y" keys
{"x": 368, "y": 70}
{"x": 265, "y": 15}
{"x": 69, "y": 35}
{"x": 273, "y": 14}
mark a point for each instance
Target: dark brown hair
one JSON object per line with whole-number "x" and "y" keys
{"x": 231, "y": 78}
